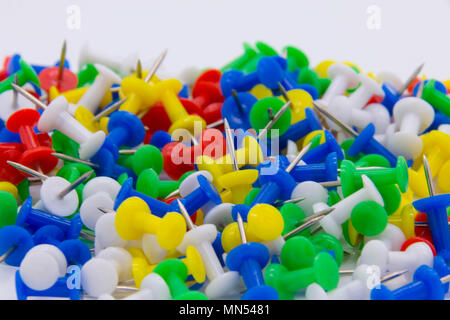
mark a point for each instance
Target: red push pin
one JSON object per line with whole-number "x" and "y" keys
{"x": 37, "y": 155}
{"x": 61, "y": 78}
{"x": 206, "y": 89}
{"x": 10, "y": 152}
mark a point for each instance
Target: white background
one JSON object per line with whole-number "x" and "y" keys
{"x": 206, "y": 33}
{"x": 210, "y": 33}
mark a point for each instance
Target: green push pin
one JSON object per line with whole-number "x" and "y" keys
{"x": 352, "y": 181}
{"x": 86, "y": 75}
{"x": 262, "y": 119}
{"x": 292, "y": 215}
{"x": 328, "y": 242}
{"x": 369, "y": 218}
{"x": 8, "y": 209}
{"x": 64, "y": 145}
{"x": 24, "y": 75}
{"x": 297, "y": 253}
{"x": 175, "y": 272}
{"x": 264, "y": 50}
{"x": 296, "y": 59}
{"x": 144, "y": 157}
{"x": 324, "y": 271}
{"x": 148, "y": 183}
{"x": 391, "y": 196}
{"x": 437, "y": 99}
{"x": 373, "y": 160}
{"x": 242, "y": 60}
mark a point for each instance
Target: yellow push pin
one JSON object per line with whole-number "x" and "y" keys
{"x": 168, "y": 94}
{"x": 194, "y": 263}
{"x": 134, "y": 219}
{"x": 265, "y": 222}
{"x": 405, "y": 220}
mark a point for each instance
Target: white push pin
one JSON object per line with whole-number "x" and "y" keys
{"x": 358, "y": 99}
{"x": 103, "y": 273}
{"x": 312, "y": 192}
{"x": 374, "y": 113}
{"x": 392, "y": 237}
{"x": 42, "y": 266}
{"x": 106, "y": 234}
{"x": 124, "y": 66}
{"x": 342, "y": 78}
{"x": 412, "y": 116}
{"x": 99, "y": 192}
{"x": 94, "y": 94}
{"x": 56, "y": 117}
{"x": 58, "y": 196}
{"x": 364, "y": 278}
{"x": 342, "y": 210}
{"x": 376, "y": 253}
{"x": 221, "y": 283}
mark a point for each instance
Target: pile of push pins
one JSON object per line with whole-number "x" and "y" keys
{"x": 266, "y": 179}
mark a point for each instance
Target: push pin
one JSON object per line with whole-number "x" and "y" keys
{"x": 60, "y": 77}
{"x": 249, "y": 259}
{"x": 57, "y": 194}
{"x": 435, "y": 206}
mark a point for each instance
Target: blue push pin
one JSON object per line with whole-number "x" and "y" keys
{"x": 158, "y": 208}
{"x": 125, "y": 129}
{"x": 426, "y": 285}
{"x": 240, "y": 209}
{"x": 205, "y": 193}
{"x": 49, "y": 234}
{"x": 435, "y": 206}
{"x": 37, "y": 218}
{"x": 442, "y": 268}
{"x": 272, "y": 75}
{"x": 107, "y": 166}
{"x": 249, "y": 259}
{"x": 236, "y": 109}
{"x": 75, "y": 251}
{"x": 237, "y": 80}
{"x": 14, "y": 244}
{"x": 277, "y": 183}
{"x": 300, "y": 129}
{"x": 439, "y": 118}
{"x": 160, "y": 138}
{"x": 318, "y": 172}
{"x": 320, "y": 153}
{"x": 59, "y": 290}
